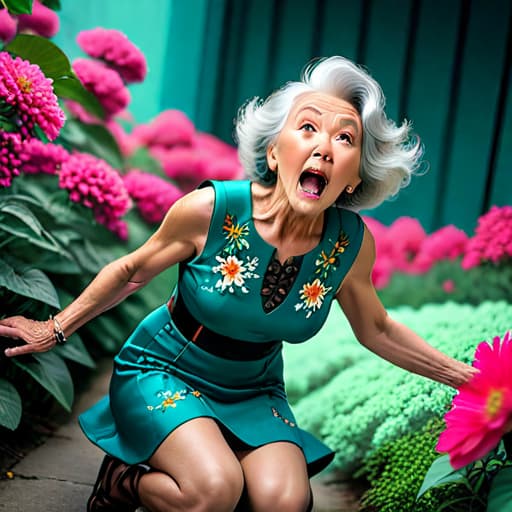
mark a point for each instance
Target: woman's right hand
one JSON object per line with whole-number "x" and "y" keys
{"x": 37, "y": 335}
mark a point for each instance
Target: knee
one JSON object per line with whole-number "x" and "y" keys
{"x": 274, "y": 496}
{"x": 216, "y": 489}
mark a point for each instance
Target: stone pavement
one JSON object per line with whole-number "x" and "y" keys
{"x": 58, "y": 475}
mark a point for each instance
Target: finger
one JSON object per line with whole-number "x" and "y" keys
{"x": 9, "y": 332}
{"x": 21, "y": 350}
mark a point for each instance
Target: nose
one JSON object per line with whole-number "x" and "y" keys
{"x": 322, "y": 150}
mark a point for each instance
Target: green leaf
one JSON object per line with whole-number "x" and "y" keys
{"x": 71, "y": 88}
{"x": 75, "y": 350}
{"x": 439, "y": 473}
{"x": 39, "y": 50}
{"x": 28, "y": 282}
{"x": 94, "y": 139}
{"x": 49, "y": 370}
{"x": 52, "y": 4}
{"x": 10, "y": 405}
{"x": 24, "y": 214}
{"x": 18, "y": 6}
{"x": 500, "y": 494}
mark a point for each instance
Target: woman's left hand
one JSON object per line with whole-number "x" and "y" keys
{"x": 37, "y": 335}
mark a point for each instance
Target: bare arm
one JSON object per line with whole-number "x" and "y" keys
{"x": 181, "y": 235}
{"x": 393, "y": 341}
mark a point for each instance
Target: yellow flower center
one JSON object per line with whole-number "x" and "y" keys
{"x": 24, "y": 84}
{"x": 494, "y": 403}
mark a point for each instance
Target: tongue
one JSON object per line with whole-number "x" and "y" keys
{"x": 311, "y": 184}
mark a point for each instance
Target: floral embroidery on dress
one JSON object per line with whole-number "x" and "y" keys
{"x": 169, "y": 398}
{"x": 276, "y": 414}
{"x": 235, "y": 269}
{"x": 312, "y": 294}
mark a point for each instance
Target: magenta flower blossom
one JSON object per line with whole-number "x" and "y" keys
{"x": 482, "y": 410}
{"x": 152, "y": 194}
{"x": 93, "y": 183}
{"x": 104, "y": 83}
{"x": 446, "y": 243}
{"x": 407, "y": 236}
{"x": 24, "y": 87}
{"x": 168, "y": 130}
{"x": 10, "y": 157}
{"x": 42, "y": 158}
{"x": 43, "y": 21}
{"x": 8, "y": 26}
{"x": 116, "y": 50}
{"x": 492, "y": 241}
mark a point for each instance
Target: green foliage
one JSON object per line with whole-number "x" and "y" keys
{"x": 10, "y": 405}
{"x": 486, "y": 282}
{"x": 394, "y": 472}
{"x": 372, "y": 402}
{"x": 18, "y": 6}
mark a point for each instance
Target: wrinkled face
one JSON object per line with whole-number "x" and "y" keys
{"x": 318, "y": 152}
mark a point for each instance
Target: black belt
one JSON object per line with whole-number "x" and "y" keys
{"x": 214, "y": 343}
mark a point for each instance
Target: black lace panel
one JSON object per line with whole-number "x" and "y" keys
{"x": 278, "y": 281}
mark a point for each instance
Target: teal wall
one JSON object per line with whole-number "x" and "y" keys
{"x": 444, "y": 64}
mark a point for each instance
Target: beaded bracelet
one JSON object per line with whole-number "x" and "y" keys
{"x": 60, "y": 337}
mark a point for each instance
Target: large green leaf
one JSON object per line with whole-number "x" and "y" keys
{"x": 52, "y": 4}
{"x": 18, "y": 6}
{"x": 441, "y": 472}
{"x": 71, "y": 88}
{"x": 500, "y": 494}
{"x": 28, "y": 282}
{"x": 75, "y": 350}
{"x": 94, "y": 139}
{"x": 21, "y": 212}
{"x": 39, "y": 50}
{"x": 52, "y": 373}
{"x": 10, "y": 405}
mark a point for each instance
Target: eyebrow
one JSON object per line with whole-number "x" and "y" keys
{"x": 349, "y": 122}
{"x": 343, "y": 122}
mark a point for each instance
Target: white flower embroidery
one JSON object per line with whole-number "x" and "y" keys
{"x": 235, "y": 272}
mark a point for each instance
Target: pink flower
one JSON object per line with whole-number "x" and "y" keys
{"x": 492, "y": 241}
{"x": 449, "y": 286}
{"x": 482, "y": 410}
{"x": 93, "y": 183}
{"x": 185, "y": 166}
{"x": 42, "y": 158}
{"x": 406, "y": 236}
{"x": 169, "y": 129}
{"x": 8, "y": 26}
{"x": 382, "y": 271}
{"x": 446, "y": 243}
{"x": 10, "y": 157}
{"x": 116, "y": 50}
{"x": 104, "y": 83}
{"x": 43, "y": 21}
{"x": 30, "y": 93}
{"x": 152, "y": 194}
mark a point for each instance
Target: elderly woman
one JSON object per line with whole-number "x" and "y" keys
{"x": 197, "y": 417}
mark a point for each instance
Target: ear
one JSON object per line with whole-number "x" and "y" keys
{"x": 271, "y": 157}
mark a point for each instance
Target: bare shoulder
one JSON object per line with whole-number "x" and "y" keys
{"x": 191, "y": 214}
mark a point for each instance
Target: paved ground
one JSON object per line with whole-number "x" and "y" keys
{"x": 58, "y": 476}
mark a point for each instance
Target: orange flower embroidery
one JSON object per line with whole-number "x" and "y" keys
{"x": 170, "y": 399}
{"x": 312, "y": 295}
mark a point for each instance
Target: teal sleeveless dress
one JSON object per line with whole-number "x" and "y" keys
{"x": 161, "y": 379}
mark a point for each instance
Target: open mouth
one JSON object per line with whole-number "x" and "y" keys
{"x": 312, "y": 182}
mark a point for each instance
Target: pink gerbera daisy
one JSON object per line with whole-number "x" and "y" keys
{"x": 482, "y": 410}
{"x": 116, "y": 50}
{"x": 30, "y": 94}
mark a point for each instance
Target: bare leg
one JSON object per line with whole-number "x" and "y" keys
{"x": 196, "y": 471}
{"x": 276, "y": 479}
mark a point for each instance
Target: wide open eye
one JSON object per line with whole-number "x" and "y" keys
{"x": 307, "y": 127}
{"x": 345, "y": 137}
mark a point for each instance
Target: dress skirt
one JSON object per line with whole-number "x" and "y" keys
{"x": 161, "y": 380}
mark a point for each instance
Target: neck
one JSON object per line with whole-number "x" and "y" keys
{"x": 271, "y": 208}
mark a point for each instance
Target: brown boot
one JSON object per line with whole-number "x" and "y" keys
{"x": 116, "y": 488}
